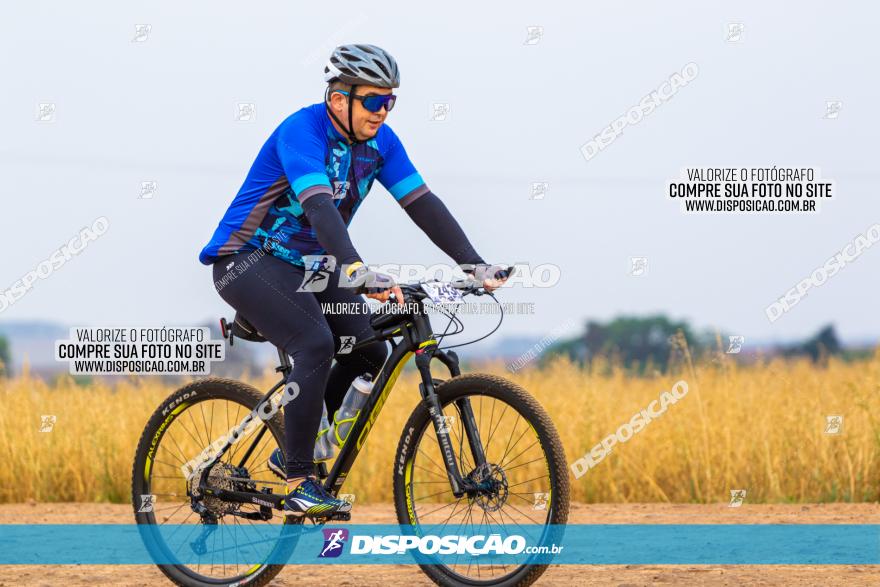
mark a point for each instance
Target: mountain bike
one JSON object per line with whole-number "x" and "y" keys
{"x": 476, "y": 449}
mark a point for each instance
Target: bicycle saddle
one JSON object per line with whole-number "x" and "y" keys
{"x": 241, "y": 328}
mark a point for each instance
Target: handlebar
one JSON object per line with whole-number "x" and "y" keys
{"x": 468, "y": 286}
{"x": 386, "y": 320}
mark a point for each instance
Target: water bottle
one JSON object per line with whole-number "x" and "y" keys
{"x": 351, "y": 406}
{"x": 323, "y": 448}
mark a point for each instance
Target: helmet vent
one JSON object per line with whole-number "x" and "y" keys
{"x": 364, "y": 65}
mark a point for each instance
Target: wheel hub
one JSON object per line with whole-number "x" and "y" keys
{"x": 491, "y": 487}
{"x": 226, "y": 477}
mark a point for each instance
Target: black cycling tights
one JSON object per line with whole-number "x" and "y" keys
{"x": 265, "y": 292}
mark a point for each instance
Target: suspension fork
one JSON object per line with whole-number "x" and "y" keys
{"x": 450, "y": 360}
{"x": 429, "y": 396}
{"x": 460, "y": 485}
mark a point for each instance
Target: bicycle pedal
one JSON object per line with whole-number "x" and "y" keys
{"x": 318, "y": 519}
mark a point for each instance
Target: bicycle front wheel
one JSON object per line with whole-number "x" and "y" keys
{"x": 524, "y": 466}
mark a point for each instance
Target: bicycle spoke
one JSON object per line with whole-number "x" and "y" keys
{"x": 520, "y": 512}
{"x": 458, "y": 501}
{"x": 529, "y": 481}
{"x": 439, "y": 468}
{"x": 501, "y": 502}
{"x": 524, "y": 464}
{"x": 257, "y": 456}
{"x": 415, "y": 466}
{"x": 503, "y": 566}
{"x": 491, "y": 430}
{"x": 501, "y": 494}
{"x": 507, "y": 448}
{"x": 196, "y": 428}
{"x": 158, "y": 462}
{"x": 182, "y": 440}
{"x": 235, "y": 539}
{"x": 222, "y": 546}
{"x": 437, "y": 510}
{"x": 520, "y": 496}
{"x": 512, "y": 447}
{"x": 235, "y": 420}
{"x": 175, "y": 511}
{"x": 433, "y": 495}
{"x": 491, "y": 419}
{"x": 512, "y": 519}
{"x": 214, "y": 549}
{"x": 174, "y": 440}
{"x": 200, "y": 446}
{"x": 207, "y": 429}
{"x": 469, "y": 519}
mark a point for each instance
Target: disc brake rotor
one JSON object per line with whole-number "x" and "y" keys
{"x": 492, "y": 487}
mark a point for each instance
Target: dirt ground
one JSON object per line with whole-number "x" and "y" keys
{"x": 411, "y": 576}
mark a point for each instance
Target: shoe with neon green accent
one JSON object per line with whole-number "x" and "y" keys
{"x": 312, "y": 500}
{"x": 277, "y": 465}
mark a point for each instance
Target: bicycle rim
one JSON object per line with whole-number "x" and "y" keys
{"x": 515, "y": 458}
{"x": 183, "y": 435}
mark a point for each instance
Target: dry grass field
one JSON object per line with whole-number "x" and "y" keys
{"x": 760, "y": 427}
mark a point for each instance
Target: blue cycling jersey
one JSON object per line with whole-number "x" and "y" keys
{"x": 303, "y": 157}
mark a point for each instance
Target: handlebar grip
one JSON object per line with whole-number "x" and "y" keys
{"x": 501, "y": 273}
{"x": 504, "y": 273}
{"x": 363, "y": 290}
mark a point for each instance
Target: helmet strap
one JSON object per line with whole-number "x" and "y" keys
{"x": 351, "y": 136}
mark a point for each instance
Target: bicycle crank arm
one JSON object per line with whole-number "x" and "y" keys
{"x": 334, "y": 517}
{"x": 264, "y": 515}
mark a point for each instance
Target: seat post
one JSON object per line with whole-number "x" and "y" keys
{"x": 285, "y": 362}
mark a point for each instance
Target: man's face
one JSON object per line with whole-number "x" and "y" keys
{"x": 365, "y": 123}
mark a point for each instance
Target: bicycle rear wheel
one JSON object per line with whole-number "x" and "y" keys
{"x": 179, "y": 430}
{"x": 525, "y": 465}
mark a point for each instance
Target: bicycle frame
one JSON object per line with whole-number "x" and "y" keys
{"x": 417, "y": 339}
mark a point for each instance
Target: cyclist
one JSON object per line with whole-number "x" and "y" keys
{"x": 301, "y": 193}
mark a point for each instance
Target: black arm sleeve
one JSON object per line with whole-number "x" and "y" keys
{"x": 433, "y": 217}
{"x": 330, "y": 229}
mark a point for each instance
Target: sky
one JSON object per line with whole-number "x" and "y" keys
{"x": 160, "y": 106}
